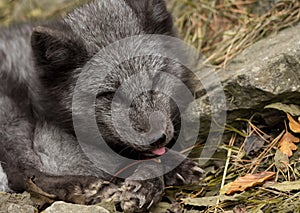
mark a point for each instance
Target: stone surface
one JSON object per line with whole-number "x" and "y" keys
{"x": 13, "y": 203}
{"x": 266, "y": 72}
{"x": 61, "y": 206}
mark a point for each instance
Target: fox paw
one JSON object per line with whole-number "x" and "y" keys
{"x": 140, "y": 195}
{"x": 188, "y": 172}
{"x": 96, "y": 192}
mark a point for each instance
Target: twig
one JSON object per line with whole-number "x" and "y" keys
{"x": 231, "y": 143}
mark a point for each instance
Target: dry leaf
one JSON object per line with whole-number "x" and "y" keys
{"x": 212, "y": 200}
{"x": 291, "y": 108}
{"x": 253, "y": 143}
{"x": 286, "y": 186}
{"x": 287, "y": 144}
{"x": 294, "y": 125}
{"x": 282, "y": 161}
{"x": 248, "y": 181}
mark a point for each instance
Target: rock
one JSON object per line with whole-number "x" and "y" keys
{"x": 12, "y": 208}
{"x": 266, "y": 72}
{"x": 20, "y": 203}
{"x": 61, "y": 206}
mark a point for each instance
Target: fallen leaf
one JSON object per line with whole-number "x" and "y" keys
{"x": 294, "y": 125}
{"x": 286, "y": 186}
{"x": 291, "y": 109}
{"x": 281, "y": 160}
{"x": 253, "y": 143}
{"x": 201, "y": 201}
{"x": 212, "y": 200}
{"x": 287, "y": 144}
{"x": 249, "y": 180}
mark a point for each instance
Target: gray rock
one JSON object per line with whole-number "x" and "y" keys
{"x": 12, "y": 208}
{"x": 21, "y": 203}
{"x": 61, "y": 206}
{"x": 268, "y": 71}
{"x": 265, "y": 73}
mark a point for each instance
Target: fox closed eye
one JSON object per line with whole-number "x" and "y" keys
{"x": 105, "y": 94}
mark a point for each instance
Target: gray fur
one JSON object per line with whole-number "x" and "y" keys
{"x": 39, "y": 66}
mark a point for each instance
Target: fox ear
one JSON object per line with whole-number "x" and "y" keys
{"x": 56, "y": 48}
{"x": 157, "y": 20}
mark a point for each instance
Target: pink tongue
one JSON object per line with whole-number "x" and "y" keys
{"x": 159, "y": 151}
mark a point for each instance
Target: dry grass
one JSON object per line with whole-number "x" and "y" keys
{"x": 222, "y": 29}
{"x": 22, "y": 10}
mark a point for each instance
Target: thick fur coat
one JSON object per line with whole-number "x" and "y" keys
{"x": 39, "y": 66}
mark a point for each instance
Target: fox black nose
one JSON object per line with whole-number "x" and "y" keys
{"x": 161, "y": 130}
{"x": 158, "y": 140}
